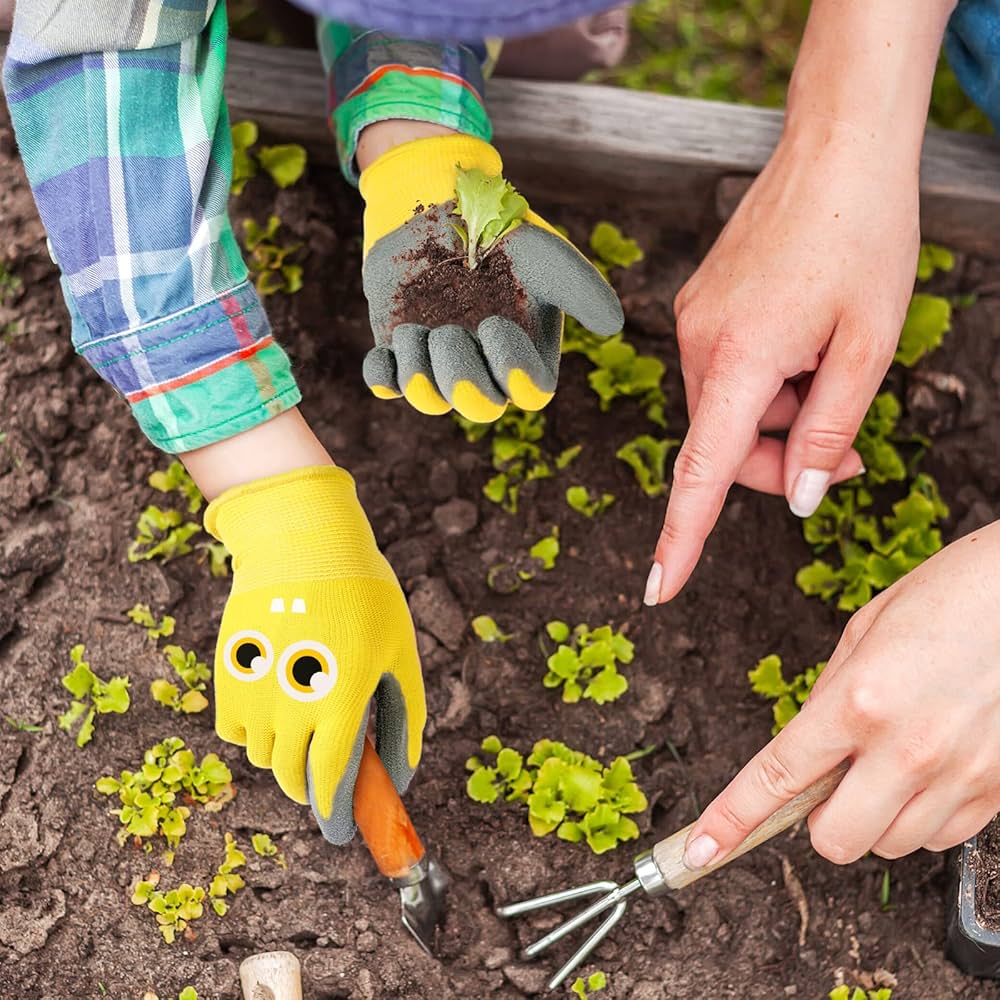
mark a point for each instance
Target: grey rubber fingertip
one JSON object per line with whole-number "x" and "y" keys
{"x": 507, "y": 346}
{"x": 379, "y": 369}
{"x": 339, "y": 828}
{"x": 456, "y": 357}
{"x": 392, "y": 732}
{"x": 409, "y": 345}
{"x": 554, "y": 271}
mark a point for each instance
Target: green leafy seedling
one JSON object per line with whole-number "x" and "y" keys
{"x": 20, "y": 726}
{"x": 174, "y": 909}
{"x": 161, "y": 534}
{"x": 581, "y": 500}
{"x": 620, "y": 370}
{"x": 142, "y": 615}
{"x": 266, "y": 848}
{"x": 546, "y": 550}
{"x": 91, "y": 697}
{"x": 585, "y": 663}
{"x": 933, "y": 258}
{"x": 611, "y": 248}
{"x": 225, "y": 881}
{"x": 489, "y": 207}
{"x": 175, "y": 479}
{"x": 595, "y": 982}
{"x": 269, "y": 260}
{"x": 646, "y": 456}
{"x": 928, "y": 319}
{"x": 488, "y": 631}
{"x": 565, "y": 792}
{"x": 877, "y": 439}
{"x": 149, "y": 796}
{"x": 768, "y": 680}
{"x": 193, "y": 675}
{"x": 284, "y": 164}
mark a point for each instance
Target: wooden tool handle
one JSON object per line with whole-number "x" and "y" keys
{"x": 669, "y": 852}
{"x": 382, "y": 818}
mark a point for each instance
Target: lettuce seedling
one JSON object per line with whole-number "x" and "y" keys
{"x": 767, "y": 679}
{"x": 266, "y": 848}
{"x": 933, "y": 258}
{"x": 161, "y": 534}
{"x": 284, "y": 164}
{"x": 580, "y": 499}
{"x": 585, "y": 664}
{"x": 489, "y": 207}
{"x": 173, "y": 910}
{"x": 149, "y": 795}
{"x": 846, "y": 993}
{"x": 142, "y": 615}
{"x": 104, "y": 697}
{"x": 225, "y": 881}
{"x": 876, "y": 441}
{"x": 595, "y": 982}
{"x": 565, "y": 791}
{"x": 620, "y": 370}
{"x": 873, "y": 556}
{"x": 611, "y": 248}
{"x": 175, "y": 479}
{"x": 488, "y": 630}
{"x": 269, "y": 261}
{"x": 646, "y": 456}
{"x": 928, "y": 319}
{"x": 546, "y": 550}
{"x": 193, "y": 675}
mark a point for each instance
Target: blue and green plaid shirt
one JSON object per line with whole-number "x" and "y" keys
{"x": 124, "y": 133}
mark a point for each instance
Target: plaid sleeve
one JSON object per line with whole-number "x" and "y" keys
{"x": 124, "y": 134}
{"x": 373, "y": 76}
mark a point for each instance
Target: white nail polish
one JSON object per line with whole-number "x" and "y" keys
{"x": 808, "y": 492}
{"x": 652, "y": 595}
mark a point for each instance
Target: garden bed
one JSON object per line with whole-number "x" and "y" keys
{"x": 73, "y": 478}
{"x": 987, "y": 867}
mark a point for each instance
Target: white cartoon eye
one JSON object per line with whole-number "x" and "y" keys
{"x": 307, "y": 671}
{"x": 248, "y": 655}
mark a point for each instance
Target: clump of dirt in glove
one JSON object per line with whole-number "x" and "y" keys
{"x": 446, "y": 291}
{"x": 987, "y": 865}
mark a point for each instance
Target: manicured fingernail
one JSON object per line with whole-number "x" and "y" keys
{"x": 808, "y": 491}
{"x": 700, "y": 852}
{"x": 861, "y": 469}
{"x": 652, "y": 595}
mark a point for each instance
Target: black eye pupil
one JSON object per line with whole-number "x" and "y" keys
{"x": 246, "y": 652}
{"x": 304, "y": 669}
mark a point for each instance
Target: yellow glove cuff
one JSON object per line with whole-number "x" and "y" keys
{"x": 295, "y": 527}
{"x": 418, "y": 173}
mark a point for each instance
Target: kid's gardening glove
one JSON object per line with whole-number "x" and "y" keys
{"x": 450, "y": 336}
{"x": 316, "y": 626}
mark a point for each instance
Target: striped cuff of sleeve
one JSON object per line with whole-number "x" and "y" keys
{"x": 200, "y": 375}
{"x": 379, "y": 77}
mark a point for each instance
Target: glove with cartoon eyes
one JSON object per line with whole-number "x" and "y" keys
{"x": 316, "y": 626}
{"x": 448, "y": 336}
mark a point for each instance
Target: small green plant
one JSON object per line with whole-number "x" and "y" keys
{"x": 284, "y": 164}
{"x": 225, "y": 881}
{"x": 595, "y": 982}
{"x": 174, "y": 909}
{"x": 933, "y": 258}
{"x": 872, "y": 556}
{"x": 488, "y": 631}
{"x": 846, "y": 993}
{"x": 20, "y": 726}
{"x": 175, "y": 479}
{"x": 768, "y": 679}
{"x": 546, "y": 549}
{"x": 192, "y": 673}
{"x": 611, "y": 248}
{"x": 269, "y": 261}
{"x": 265, "y": 847}
{"x": 489, "y": 207}
{"x": 646, "y": 456}
{"x": 148, "y": 796}
{"x": 885, "y": 891}
{"x": 928, "y": 319}
{"x": 10, "y": 284}
{"x": 620, "y": 370}
{"x": 585, "y": 664}
{"x": 877, "y": 438}
{"x": 142, "y": 615}
{"x": 581, "y": 500}
{"x": 565, "y": 791}
{"x": 91, "y": 697}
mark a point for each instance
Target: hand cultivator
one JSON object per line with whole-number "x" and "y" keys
{"x": 656, "y": 871}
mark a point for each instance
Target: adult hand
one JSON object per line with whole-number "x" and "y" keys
{"x": 789, "y": 324}
{"x": 911, "y": 696}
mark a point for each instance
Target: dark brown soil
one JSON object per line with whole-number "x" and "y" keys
{"x": 73, "y": 473}
{"x": 446, "y": 291}
{"x": 986, "y": 861}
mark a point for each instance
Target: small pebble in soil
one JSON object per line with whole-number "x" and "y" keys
{"x": 529, "y": 979}
{"x": 436, "y": 610}
{"x": 456, "y": 517}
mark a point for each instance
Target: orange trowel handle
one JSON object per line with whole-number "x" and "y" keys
{"x": 382, "y": 819}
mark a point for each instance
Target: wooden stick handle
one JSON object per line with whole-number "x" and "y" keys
{"x": 271, "y": 975}
{"x": 382, "y": 818}
{"x": 669, "y": 852}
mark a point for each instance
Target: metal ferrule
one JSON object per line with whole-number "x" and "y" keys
{"x": 412, "y": 875}
{"x": 649, "y": 875}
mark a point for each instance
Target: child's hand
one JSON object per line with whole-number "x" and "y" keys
{"x": 316, "y": 627}
{"x": 911, "y": 696}
{"x": 447, "y": 336}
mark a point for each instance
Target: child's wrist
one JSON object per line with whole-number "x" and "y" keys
{"x": 279, "y": 445}
{"x": 380, "y": 137}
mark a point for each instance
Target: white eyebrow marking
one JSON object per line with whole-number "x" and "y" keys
{"x": 298, "y": 606}
{"x": 278, "y": 605}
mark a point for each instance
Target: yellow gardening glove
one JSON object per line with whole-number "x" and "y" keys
{"x": 448, "y": 336}
{"x": 315, "y": 627}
